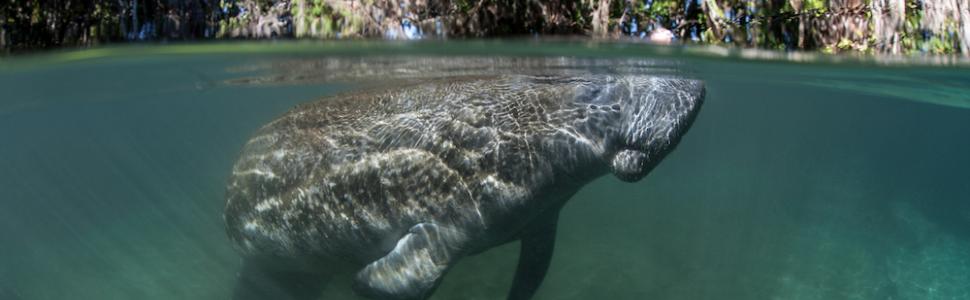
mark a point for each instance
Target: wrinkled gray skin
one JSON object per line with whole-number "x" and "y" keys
{"x": 398, "y": 185}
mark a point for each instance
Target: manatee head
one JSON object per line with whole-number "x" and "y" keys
{"x": 649, "y": 116}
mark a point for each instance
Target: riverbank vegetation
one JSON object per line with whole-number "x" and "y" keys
{"x": 904, "y": 27}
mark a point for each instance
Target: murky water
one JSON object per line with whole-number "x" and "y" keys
{"x": 797, "y": 181}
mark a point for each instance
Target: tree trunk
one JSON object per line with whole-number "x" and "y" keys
{"x": 3, "y": 30}
{"x": 715, "y": 17}
{"x": 963, "y": 8}
{"x": 601, "y": 18}
{"x": 122, "y": 19}
{"x": 299, "y": 20}
{"x": 888, "y": 18}
{"x": 134, "y": 20}
{"x": 797, "y": 5}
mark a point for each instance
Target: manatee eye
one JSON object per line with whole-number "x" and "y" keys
{"x": 616, "y": 107}
{"x": 591, "y": 106}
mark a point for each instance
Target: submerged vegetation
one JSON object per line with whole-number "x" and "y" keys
{"x": 867, "y": 26}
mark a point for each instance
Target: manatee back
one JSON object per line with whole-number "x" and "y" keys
{"x": 370, "y": 163}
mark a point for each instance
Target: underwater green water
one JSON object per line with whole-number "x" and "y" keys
{"x": 797, "y": 181}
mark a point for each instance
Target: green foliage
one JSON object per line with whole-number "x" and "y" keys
{"x": 771, "y": 24}
{"x": 940, "y": 45}
{"x": 911, "y": 38}
{"x": 710, "y": 37}
{"x": 463, "y": 6}
{"x": 663, "y": 9}
{"x": 815, "y": 6}
{"x": 320, "y": 9}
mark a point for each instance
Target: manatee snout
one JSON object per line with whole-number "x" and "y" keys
{"x": 628, "y": 165}
{"x": 667, "y": 108}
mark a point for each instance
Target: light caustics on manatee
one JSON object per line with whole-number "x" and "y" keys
{"x": 398, "y": 184}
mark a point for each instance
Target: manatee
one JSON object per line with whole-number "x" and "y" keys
{"x": 393, "y": 186}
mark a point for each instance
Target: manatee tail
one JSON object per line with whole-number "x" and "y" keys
{"x": 258, "y": 283}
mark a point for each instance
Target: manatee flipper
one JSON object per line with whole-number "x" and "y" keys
{"x": 413, "y": 269}
{"x": 535, "y": 253}
{"x": 257, "y": 282}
